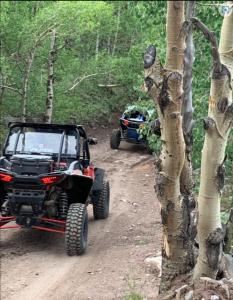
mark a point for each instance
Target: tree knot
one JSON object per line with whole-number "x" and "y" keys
{"x": 149, "y": 56}
{"x": 148, "y": 83}
{"x": 214, "y": 247}
{"x": 208, "y": 123}
{"x": 222, "y": 104}
{"x": 220, "y": 178}
{"x": 163, "y": 99}
{"x": 215, "y": 237}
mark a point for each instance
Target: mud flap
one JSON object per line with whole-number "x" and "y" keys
{"x": 81, "y": 187}
{"x": 98, "y": 185}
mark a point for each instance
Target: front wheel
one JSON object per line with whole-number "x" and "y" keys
{"x": 76, "y": 229}
{"x": 101, "y": 207}
{"x": 115, "y": 139}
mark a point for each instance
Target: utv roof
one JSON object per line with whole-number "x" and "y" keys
{"x": 47, "y": 125}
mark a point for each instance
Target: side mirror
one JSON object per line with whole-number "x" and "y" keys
{"x": 92, "y": 141}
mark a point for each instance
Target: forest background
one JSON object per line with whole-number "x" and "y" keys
{"x": 98, "y": 68}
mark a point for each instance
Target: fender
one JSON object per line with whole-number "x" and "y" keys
{"x": 98, "y": 184}
{"x": 80, "y": 187}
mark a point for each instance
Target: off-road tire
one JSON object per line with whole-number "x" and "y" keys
{"x": 76, "y": 229}
{"x": 115, "y": 139}
{"x": 101, "y": 207}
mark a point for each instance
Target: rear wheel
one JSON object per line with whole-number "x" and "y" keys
{"x": 115, "y": 139}
{"x": 76, "y": 229}
{"x": 101, "y": 207}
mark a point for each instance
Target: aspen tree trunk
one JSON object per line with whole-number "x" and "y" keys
{"x": 229, "y": 233}
{"x": 1, "y": 96}
{"x": 226, "y": 56}
{"x": 30, "y": 60}
{"x": 50, "y": 95}
{"x": 109, "y": 45}
{"x": 186, "y": 179}
{"x": 97, "y": 46}
{"x": 27, "y": 71}
{"x": 226, "y": 44}
{"x": 189, "y": 57}
{"x": 217, "y": 127}
{"x": 117, "y": 29}
{"x": 165, "y": 87}
{"x": 2, "y": 89}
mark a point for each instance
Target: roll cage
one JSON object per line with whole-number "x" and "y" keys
{"x": 81, "y": 149}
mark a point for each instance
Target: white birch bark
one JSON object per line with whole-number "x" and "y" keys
{"x": 186, "y": 178}
{"x": 28, "y": 67}
{"x": 50, "y": 92}
{"x": 117, "y": 30}
{"x": 97, "y": 46}
{"x": 25, "y": 81}
{"x": 165, "y": 87}
{"x": 189, "y": 57}
{"x": 217, "y": 126}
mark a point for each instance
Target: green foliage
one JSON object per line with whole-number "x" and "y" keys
{"x": 133, "y": 296}
{"x": 77, "y": 23}
{"x": 147, "y": 108}
{"x": 225, "y": 217}
{"x": 119, "y": 75}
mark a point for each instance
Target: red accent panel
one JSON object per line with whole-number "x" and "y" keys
{"x": 48, "y": 229}
{"x": 7, "y": 218}
{"x": 53, "y": 220}
{"x": 10, "y": 227}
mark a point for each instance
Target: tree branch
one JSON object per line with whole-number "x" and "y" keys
{"x": 210, "y": 36}
{"x": 43, "y": 34}
{"x": 83, "y": 78}
{"x": 10, "y": 88}
{"x": 61, "y": 47}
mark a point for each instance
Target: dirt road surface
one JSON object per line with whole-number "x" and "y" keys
{"x": 34, "y": 265}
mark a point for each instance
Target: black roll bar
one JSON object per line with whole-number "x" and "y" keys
{"x": 61, "y": 146}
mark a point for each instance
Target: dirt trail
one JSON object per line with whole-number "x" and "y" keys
{"x": 34, "y": 265}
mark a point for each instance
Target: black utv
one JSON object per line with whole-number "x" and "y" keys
{"x": 47, "y": 180}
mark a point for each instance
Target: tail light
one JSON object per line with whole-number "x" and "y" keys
{"x": 126, "y": 122}
{"x": 51, "y": 179}
{"x": 6, "y": 177}
{"x": 89, "y": 171}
